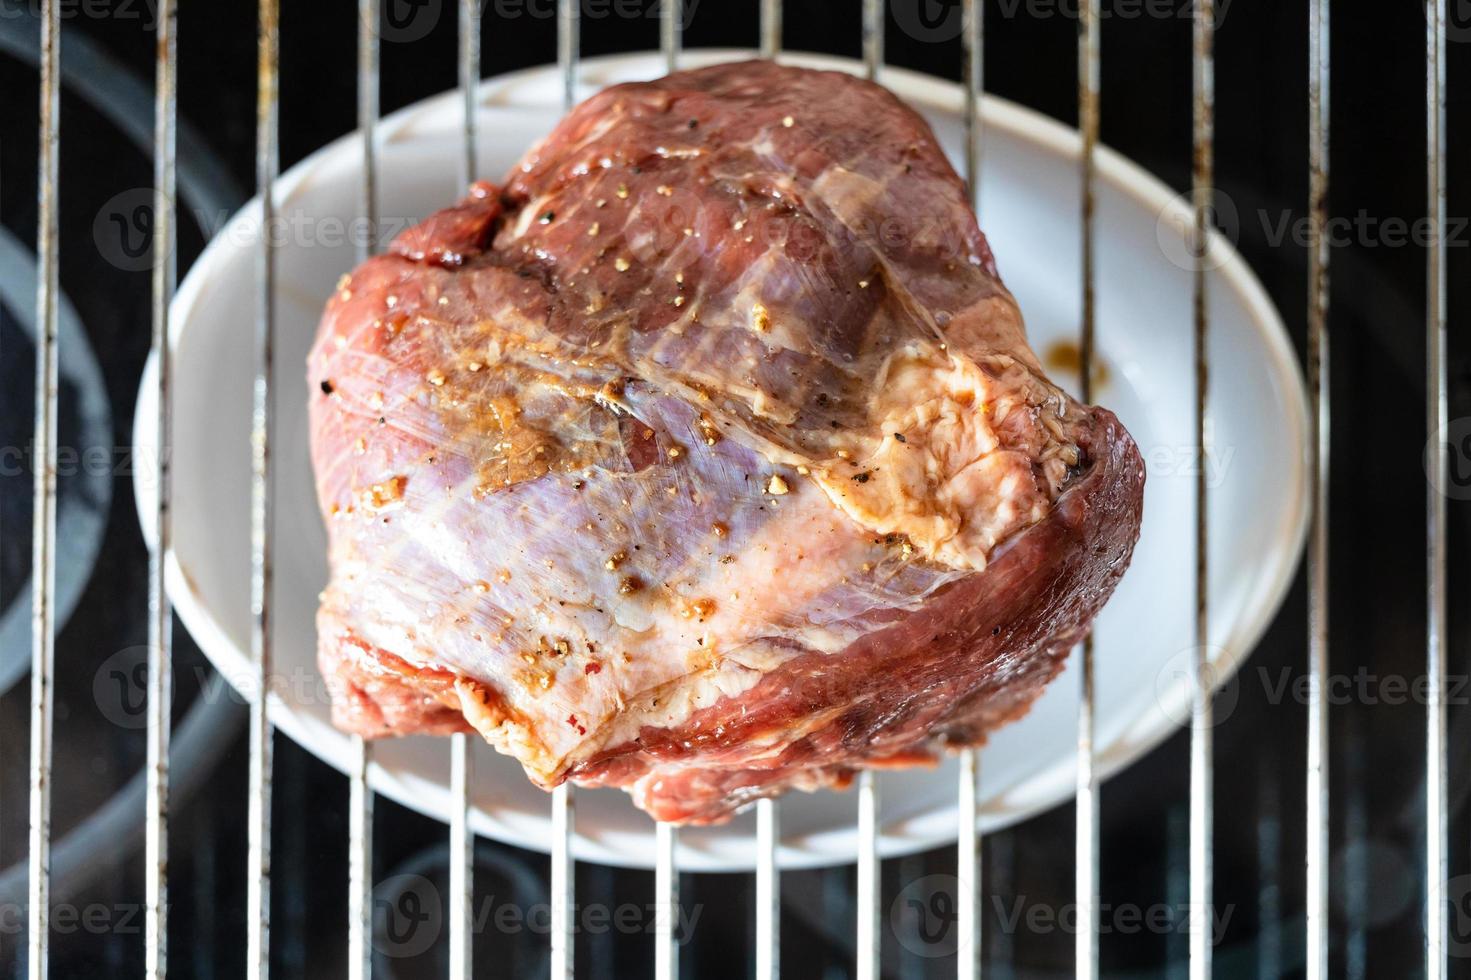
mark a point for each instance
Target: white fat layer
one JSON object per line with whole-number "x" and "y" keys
{"x": 937, "y": 472}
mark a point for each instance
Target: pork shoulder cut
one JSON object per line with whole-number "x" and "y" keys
{"x": 706, "y": 456}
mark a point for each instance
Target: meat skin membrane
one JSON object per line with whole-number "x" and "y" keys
{"x": 705, "y": 456}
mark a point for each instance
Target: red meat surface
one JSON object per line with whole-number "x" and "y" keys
{"x": 706, "y": 456}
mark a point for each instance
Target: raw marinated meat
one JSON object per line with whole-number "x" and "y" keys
{"x": 706, "y": 457}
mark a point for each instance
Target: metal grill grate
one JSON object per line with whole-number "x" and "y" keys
{"x": 768, "y": 812}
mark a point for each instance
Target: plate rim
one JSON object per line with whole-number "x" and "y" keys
{"x": 1049, "y": 786}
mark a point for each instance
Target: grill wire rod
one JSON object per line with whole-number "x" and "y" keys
{"x": 873, "y": 38}
{"x": 771, "y": 28}
{"x": 1317, "y": 831}
{"x": 870, "y": 936}
{"x": 768, "y": 891}
{"x": 360, "y": 793}
{"x": 671, "y": 32}
{"x": 868, "y": 948}
{"x": 969, "y": 952}
{"x": 666, "y": 902}
{"x": 1437, "y": 868}
{"x": 160, "y": 614}
{"x": 563, "y": 816}
{"x": 666, "y": 836}
{"x": 1201, "y": 716}
{"x": 267, "y": 164}
{"x": 43, "y": 541}
{"x": 462, "y": 759}
{"x": 1085, "y": 945}
{"x": 768, "y": 813}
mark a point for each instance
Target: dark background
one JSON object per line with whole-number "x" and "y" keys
{"x": 1378, "y": 524}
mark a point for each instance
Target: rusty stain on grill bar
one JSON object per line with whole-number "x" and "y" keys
{"x": 160, "y": 617}
{"x": 469, "y": 72}
{"x": 267, "y": 163}
{"x": 43, "y": 528}
{"x": 1317, "y": 558}
{"x": 1085, "y": 945}
{"x": 1201, "y": 776}
{"x": 973, "y": 15}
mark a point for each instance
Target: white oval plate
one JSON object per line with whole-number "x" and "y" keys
{"x": 1029, "y": 208}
